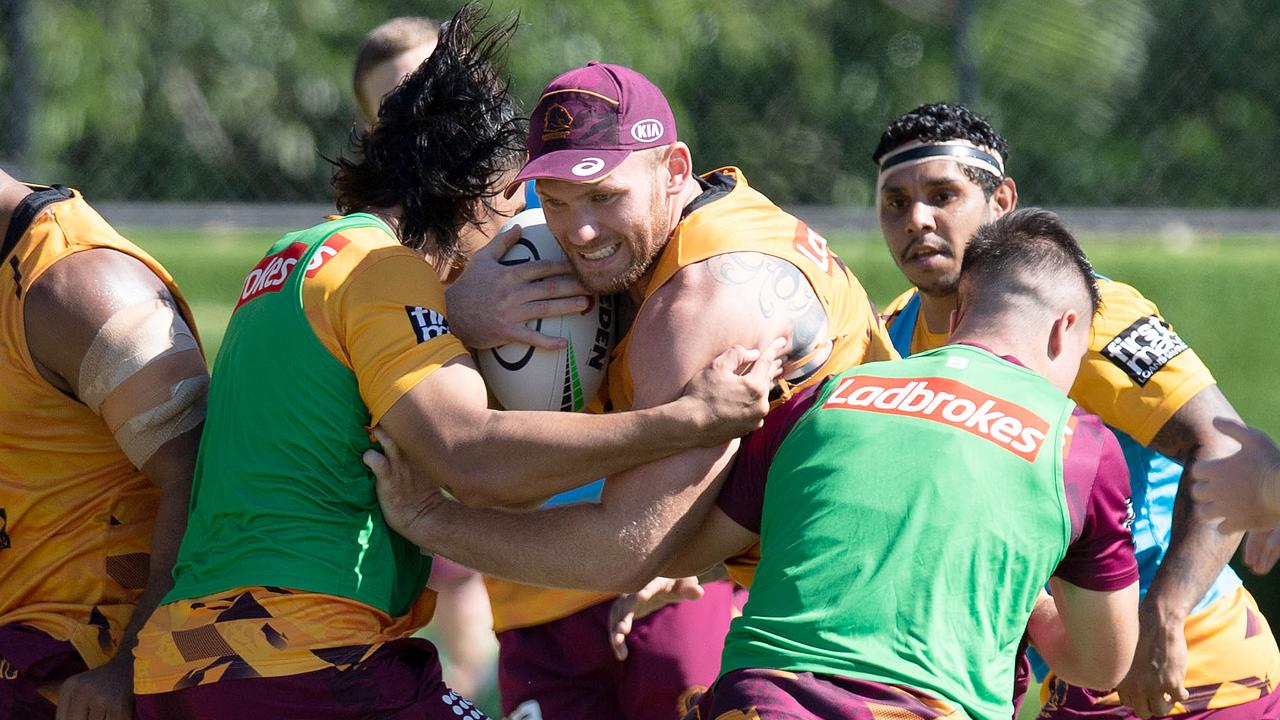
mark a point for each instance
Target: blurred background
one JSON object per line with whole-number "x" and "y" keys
{"x": 203, "y": 129}
{"x": 1136, "y": 103}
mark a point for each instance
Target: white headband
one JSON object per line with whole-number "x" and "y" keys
{"x": 962, "y": 151}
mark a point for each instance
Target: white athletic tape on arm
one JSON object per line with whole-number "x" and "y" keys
{"x": 148, "y": 431}
{"x": 126, "y": 343}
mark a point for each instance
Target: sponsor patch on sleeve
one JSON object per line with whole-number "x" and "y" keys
{"x": 1143, "y": 348}
{"x": 427, "y": 323}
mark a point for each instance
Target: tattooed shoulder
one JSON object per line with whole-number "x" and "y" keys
{"x": 780, "y": 290}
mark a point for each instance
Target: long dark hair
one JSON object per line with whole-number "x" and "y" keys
{"x": 444, "y": 138}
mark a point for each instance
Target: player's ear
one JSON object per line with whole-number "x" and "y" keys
{"x": 1060, "y": 334}
{"x": 1004, "y": 199}
{"x": 679, "y": 167}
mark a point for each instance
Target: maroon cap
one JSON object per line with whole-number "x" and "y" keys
{"x": 590, "y": 119}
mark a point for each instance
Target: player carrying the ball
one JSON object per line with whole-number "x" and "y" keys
{"x": 705, "y": 262}
{"x": 292, "y": 598}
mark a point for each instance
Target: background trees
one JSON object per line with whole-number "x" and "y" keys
{"x": 1136, "y": 103}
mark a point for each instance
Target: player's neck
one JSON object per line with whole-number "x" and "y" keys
{"x": 1004, "y": 342}
{"x": 690, "y": 193}
{"x": 391, "y": 216}
{"x": 936, "y": 311}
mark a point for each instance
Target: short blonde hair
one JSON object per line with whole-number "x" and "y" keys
{"x": 388, "y": 40}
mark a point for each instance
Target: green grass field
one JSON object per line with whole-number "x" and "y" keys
{"x": 1219, "y": 293}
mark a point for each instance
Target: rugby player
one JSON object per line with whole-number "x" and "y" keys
{"x": 706, "y": 262}
{"x": 1203, "y": 644}
{"x": 292, "y": 597}
{"x": 895, "y": 583}
{"x": 1242, "y": 488}
{"x": 104, "y": 397}
{"x": 462, "y": 621}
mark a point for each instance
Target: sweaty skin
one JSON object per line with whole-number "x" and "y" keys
{"x": 63, "y": 314}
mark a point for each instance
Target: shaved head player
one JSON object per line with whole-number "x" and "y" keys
{"x": 1204, "y": 646}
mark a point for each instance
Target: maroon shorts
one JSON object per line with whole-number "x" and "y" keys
{"x": 759, "y": 693}
{"x": 1068, "y": 702}
{"x": 400, "y": 680}
{"x": 29, "y": 659}
{"x": 565, "y": 670}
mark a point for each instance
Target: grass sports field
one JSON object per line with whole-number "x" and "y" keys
{"x": 1220, "y": 293}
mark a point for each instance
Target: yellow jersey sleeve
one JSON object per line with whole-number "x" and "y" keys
{"x": 895, "y": 305}
{"x": 379, "y": 309}
{"x": 921, "y": 338}
{"x": 1138, "y": 372}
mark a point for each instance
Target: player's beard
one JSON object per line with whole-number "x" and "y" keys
{"x": 644, "y": 248}
{"x": 944, "y": 286}
{"x": 935, "y": 285}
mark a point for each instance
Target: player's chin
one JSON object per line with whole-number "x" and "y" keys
{"x": 932, "y": 279}
{"x": 607, "y": 283}
{"x": 937, "y": 286}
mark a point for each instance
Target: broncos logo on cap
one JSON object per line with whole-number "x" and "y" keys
{"x": 556, "y": 123}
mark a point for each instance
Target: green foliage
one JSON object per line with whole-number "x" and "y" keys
{"x": 1137, "y": 102}
{"x": 181, "y": 99}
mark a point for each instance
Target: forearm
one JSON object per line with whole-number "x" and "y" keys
{"x": 513, "y": 548}
{"x": 170, "y": 524}
{"x": 704, "y": 554}
{"x": 617, "y": 545}
{"x": 562, "y": 451}
{"x": 1196, "y": 555}
{"x": 1197, "y": 550}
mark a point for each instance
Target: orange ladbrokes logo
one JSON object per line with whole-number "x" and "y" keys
{"x": 949, "y": 402}
{"x": 556, "y": 123}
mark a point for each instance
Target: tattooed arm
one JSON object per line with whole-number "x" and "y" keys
{"x": 783, "y": 294}
{"x": 645, "y": 514}
{"x": 1197, "y": 553}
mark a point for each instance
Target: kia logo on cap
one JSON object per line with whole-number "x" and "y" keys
{"x": 647, "y": 130}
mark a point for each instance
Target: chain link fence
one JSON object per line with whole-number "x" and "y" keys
{"x": 1141, "y": 103}
{"x": 1107, "y": 104}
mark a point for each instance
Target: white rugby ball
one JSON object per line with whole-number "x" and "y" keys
{"x": 523, "y": 377}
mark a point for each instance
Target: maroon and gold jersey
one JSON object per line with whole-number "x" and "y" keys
{"x": 262, "y": 632}
{"x": 729, "y": 217}
{"x": 76, "y": 517}
{"x": 366, "y": 301}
